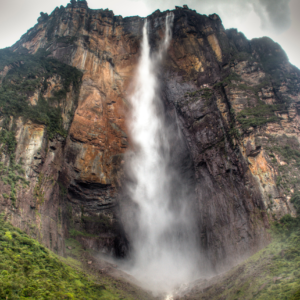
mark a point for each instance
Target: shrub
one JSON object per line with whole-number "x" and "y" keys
{"x": 30, "y": 73}
{"x": 296, "y": 202}
{"x": 259, "y": 115}
{"x": 12, "y": 175}
{"x": 289, "y": 222}
{"x": 288, "y": 153}
{"x": 228, "y": 80}
{"x": 29, "y": 270}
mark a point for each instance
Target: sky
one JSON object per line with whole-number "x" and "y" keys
{"x": 278, "y": 19}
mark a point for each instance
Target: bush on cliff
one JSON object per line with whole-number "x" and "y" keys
{"x": 259, "y": 115}
{"x": 28, "y": 74}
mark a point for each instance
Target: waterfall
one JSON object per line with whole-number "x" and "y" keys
{"x": 160, "y": 225}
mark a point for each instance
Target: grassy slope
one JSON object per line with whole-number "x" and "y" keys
{"x": 30, "y": 271}
{"x": 272, "y": 273}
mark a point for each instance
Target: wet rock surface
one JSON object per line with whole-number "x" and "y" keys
{"x": 211, "y": 82}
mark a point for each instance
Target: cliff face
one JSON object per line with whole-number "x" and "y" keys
{"x": 235, "y": 101}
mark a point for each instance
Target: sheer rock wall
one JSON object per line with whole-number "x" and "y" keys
{"x": 216, "y": 86}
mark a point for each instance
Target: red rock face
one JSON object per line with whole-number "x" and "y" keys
{"x": 228, "y": 166}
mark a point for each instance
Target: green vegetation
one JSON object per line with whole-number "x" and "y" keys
{"x": 62, "y": 190}
{"x": 284, "y": 149}
{"x": 242, "y": 56}
{"x": 102, "y": 219}
{"x": 8, "y": 142}
{"x": 205, "y": 93}
{"x": 296, "y": 202}
{"x": 28, "y": 270}
{"x": 259, "y": 115}
{"x": 232, "y": 77}
{"x": 73, "y": 233}
{"x": 74, "y": 250}
{"x": 11, "y": 174}
{"x": 289, "y": 154}
{"x": 28, "y": 74}
{"x": 272, "y": 273}
{"x": 38, "y": 190}
{"x": 234, "y": 132}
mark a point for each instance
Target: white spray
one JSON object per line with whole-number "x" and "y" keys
{"x": 163, "y": 238}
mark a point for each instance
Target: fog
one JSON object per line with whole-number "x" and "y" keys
{"x": 274, "y": 14}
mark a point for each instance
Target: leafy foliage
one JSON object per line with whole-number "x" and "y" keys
{"x": 296, "y": 202}
{"x": 38, "y": 190}
{"x": 288, "y": 153}
{"x": 232, "y": 77}
{"x": 29, "y": 270}
{"x": 8, "y": 142}
{"x": 12, "y": 174}
{"x": 288, "y": 224}
{"x": 285, "y": 155}
{"x": 259, "y": 115}
{"x": 28, "y": 74}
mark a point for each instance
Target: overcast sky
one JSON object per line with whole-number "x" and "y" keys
{"x": 278, "y": 19}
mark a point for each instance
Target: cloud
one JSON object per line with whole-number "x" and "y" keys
{"x": 274, "y": 14}
{"x": 253, "y": 17}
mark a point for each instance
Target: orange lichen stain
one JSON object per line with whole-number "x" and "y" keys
{"x": 197, "y": 64}
{"x": 260, "y": 167}
{"x": 35, "y": 130}
{"x": 91, "y": 165}
{"x": 258, "y": 164}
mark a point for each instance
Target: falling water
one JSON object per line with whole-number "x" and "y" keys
{"x": 160, "y": 225}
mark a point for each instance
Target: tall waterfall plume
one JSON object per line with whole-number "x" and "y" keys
{"x": 160, "y": 226}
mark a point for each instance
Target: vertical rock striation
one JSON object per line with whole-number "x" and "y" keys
{"x": 236, "y": 104}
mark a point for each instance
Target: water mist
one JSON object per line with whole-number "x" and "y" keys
{"x": 160, "y": 225}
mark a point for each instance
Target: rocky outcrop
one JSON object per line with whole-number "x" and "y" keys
{"x": 235, "y": 102}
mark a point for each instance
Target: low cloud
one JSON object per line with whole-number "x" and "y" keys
{"x": 273, "y": 14}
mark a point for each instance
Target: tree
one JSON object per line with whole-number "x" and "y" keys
{"x": 43, "y": 17}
